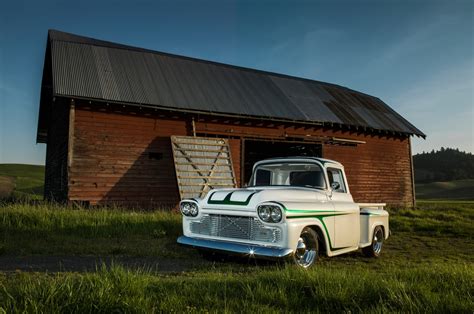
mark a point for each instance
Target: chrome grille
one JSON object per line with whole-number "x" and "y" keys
{"x": 245, "y": 228}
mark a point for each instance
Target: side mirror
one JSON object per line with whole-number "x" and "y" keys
{"x": 335, "y": 186}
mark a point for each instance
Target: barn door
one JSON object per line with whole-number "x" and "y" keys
{"x": 202, "y": 164}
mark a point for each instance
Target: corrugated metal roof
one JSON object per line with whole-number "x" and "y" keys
{"x": 95, "y": 69}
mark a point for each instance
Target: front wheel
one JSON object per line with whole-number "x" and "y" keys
{"x": 375, "y": 248}
{"x": 306, "y": 253}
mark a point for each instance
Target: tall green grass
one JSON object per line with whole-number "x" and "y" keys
{"x": 453, "y": 219}
{"x": 426, "y": 266}
{"x": 49, "y": 228}
{"x": 441, "y": 288}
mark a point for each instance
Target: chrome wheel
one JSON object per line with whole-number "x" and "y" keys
{"x": 378, "y": 240}
{"x": 375, "y": 248}
{"x": 306, "y": 251}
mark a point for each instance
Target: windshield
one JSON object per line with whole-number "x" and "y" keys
{"x": 289, "y": 174}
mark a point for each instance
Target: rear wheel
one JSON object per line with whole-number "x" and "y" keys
{"x": 375, "y": 248}
{"x": 306, "y": 253}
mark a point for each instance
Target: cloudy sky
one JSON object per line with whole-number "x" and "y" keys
{"x": 417, "y": 56}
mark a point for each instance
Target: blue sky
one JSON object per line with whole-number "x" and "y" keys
{"x": 418, "y": 56}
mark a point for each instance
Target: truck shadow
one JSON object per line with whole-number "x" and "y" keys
{"x": 223, "y": 259}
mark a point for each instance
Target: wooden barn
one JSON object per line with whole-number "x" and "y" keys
{"x": 144, "y": 128}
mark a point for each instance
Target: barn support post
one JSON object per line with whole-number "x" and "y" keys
{"x": 70, "y": 144}
{"x": 412, "y": 172}
{"x": 193, "y": 123}
{"x": 70, "y": 138}
{"x": 242, "y": 162}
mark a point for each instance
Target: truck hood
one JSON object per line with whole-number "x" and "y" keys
{"x": 249, "y": 198}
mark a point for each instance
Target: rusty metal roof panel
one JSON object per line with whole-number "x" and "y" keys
{"x": 95, "y": 69}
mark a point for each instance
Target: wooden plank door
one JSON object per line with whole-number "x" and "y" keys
{"x": 202, "y": 164}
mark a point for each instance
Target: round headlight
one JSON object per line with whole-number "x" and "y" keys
{"x": 276, "y": 214}
{"x": 193, "y": 210}
{"x": 184, "y": 208}
{"x": 264, "y": 212}
{"x": 270, "y": 213}
{"x": 189, "y": 209}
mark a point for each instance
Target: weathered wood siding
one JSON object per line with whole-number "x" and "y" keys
{"x": 111, "y": 160}
{"x": 378, "y": 171}
{"x": 124, "y": 158}
{"x": 55, "y": 181}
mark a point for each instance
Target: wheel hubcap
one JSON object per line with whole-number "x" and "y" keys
{"x": 378, "y": 241}
{"x": 300, "y": 248}
{"x": 305, "y": 253}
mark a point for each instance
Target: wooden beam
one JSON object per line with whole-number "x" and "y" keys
{"x": 199, "y": 150}
{"x": 70, "y": 140}
{"x": 200, "y": 164}
{"x": 242, "y": 162}
{"x": 206, "y": 177}
{"x": 412, "y": 172}
{"x": 193, "y": 126}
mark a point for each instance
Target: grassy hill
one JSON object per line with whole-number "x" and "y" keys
{"x": 454, "y": 190}
{"x": 21, "y": 180}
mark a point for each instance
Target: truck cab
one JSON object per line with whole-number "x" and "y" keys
{"x": 295, "y": 207}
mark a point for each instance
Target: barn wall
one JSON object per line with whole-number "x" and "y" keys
{"x": 112, "y": 162}
{"x": 55, "y": 185}
{"x": 377, "y": 171}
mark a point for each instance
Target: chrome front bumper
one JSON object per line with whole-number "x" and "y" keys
{"x": 236, "y": 248}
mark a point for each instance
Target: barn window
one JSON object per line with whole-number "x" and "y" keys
{"x": 155, "y": 156}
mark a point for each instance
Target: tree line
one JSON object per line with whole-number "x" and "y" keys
{"x": 446, "y": 164}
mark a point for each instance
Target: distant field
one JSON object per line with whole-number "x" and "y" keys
{"x": 21, "y": 180}
{"x": 454, "y": 190}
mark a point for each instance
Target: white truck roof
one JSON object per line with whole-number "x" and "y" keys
{"x": 321, "y": 160}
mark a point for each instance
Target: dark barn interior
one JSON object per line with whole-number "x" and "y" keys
{"x": 256, "y": 150}
{"x": 135, "y": 127}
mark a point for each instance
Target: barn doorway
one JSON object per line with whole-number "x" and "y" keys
{"x": 255, "y": 150}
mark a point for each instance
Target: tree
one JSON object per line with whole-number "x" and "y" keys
{"x": 444, "y": 165}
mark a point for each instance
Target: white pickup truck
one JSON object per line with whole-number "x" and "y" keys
{"x": 298, "y": 208}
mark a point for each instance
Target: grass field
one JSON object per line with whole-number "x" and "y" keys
{"x": 51, "y": 229}
{"x": 21, "y": 181}
{"x": 426, "y": 266}
{"x": 330, "y": 288}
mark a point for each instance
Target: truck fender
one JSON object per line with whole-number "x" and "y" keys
{"x": 295, "y": 230}
{"x": 372, "y": 228}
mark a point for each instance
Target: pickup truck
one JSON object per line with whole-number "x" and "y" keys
{"x": 294, "y": 208}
